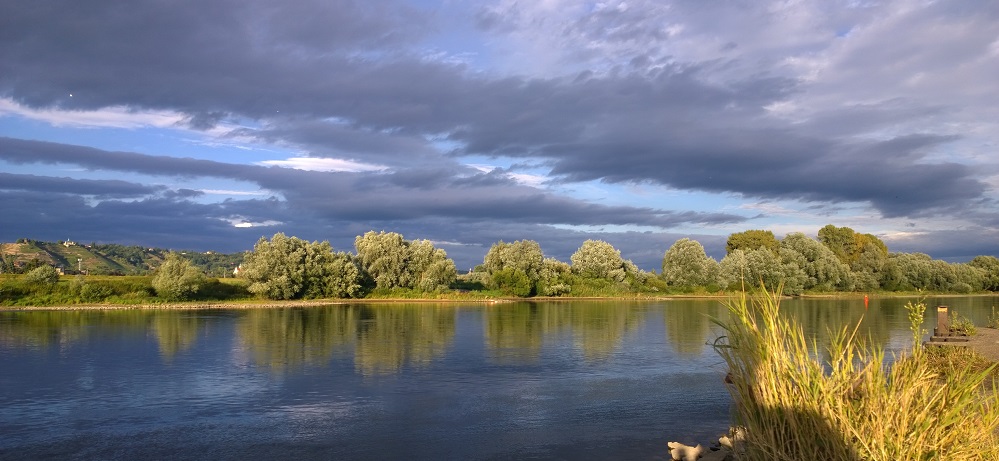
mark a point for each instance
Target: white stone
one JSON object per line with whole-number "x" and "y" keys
{"x": 681, "y": 452}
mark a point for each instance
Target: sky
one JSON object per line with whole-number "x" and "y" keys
{"x": 208, "y": 124}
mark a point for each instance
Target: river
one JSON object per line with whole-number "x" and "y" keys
{"x": 567, "y": 380}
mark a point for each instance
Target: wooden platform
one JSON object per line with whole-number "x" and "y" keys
{"x": 985, "y": 342}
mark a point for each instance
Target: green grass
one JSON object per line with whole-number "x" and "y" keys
{"x": 791, "y": 406}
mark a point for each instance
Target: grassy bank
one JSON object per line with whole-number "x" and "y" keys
{"x": 855, "y": 406}
{"x": 137, "y": 291}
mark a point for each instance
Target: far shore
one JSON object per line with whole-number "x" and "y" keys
{"x": 266, "y": 304}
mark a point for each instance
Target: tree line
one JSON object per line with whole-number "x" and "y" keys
{"x": 839, "y": 260}
{"x": 385, "y": 264}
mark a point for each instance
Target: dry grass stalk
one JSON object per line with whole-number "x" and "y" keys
{"x": 853, "y": 407}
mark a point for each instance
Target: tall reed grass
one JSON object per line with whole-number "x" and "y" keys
{"x": 789, "y": 405}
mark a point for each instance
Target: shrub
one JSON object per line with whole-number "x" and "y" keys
{"x": 93, "y": 293}
{"x": 513, "y": 281}
{"x": 178, "y": 279}
{"x": 961, "y": 287}
{"x": 42, "y": 275}
{"x": 961, "y": 325}
{"x": 792, "y": 406}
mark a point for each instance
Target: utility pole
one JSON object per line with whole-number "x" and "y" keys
{"x": 79, "y": 265}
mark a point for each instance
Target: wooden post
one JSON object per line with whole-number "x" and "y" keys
{"x": 943, "y": 322}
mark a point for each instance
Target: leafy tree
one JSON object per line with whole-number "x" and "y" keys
{"x": 847, "y": 244}
{"x": 554, "y": 278}
{"x": 990, "y": 269}
{"x": 383, "y": 256}
{"x": 598, "y": 260}
{"x": 276, "y": 268}
{"x": 178, "y": 279}
{"x": 967, "y": 276}
{"x": 7, "y": 266}
{"x": 393, "y": 262}
{"x": 330, "y": 274}
{"x": 42, "y": 275}
{"x": 761, "y": 266}
{"x": 685, "y": 264}
{"x": 289, "y": 267}
{"x": 823, "y": 270}
{"x": 513, "y": 281}
{"x": 751, "y": 240}
{"x": 430, "y": 269}
{"x": 909, "y": 271}
{"x": 515, "y": 265}
{"x": 871, "y": 267}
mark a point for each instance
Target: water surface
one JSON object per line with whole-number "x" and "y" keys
{"x": 560, "y": 380}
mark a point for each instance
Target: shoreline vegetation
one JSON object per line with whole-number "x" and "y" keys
{"x": 300, "y": 303}
{"x": 791, "y": 404}
{"x": 385, "y": 267}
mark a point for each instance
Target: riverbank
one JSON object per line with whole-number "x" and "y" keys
{"x": 985, "y": 342}
{"x": 263, "y": 304}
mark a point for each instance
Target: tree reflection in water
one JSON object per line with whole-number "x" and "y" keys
{"x": 516, "y": 332}
{"x": 383, "y": 339}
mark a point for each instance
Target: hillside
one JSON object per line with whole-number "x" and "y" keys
{"x": 104, "y": 259}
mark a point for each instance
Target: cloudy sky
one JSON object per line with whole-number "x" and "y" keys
{"x": 206, "y": 124}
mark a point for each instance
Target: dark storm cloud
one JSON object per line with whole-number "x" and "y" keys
{"x": 96, "y": 188}
{"x": 955, "y": 245}
{"x": 160, "y": 222}
{"x": 297, "y": 67}
{"x": 202, "y": 58}
{"x": 339, "y": 140}
{"x": 645, "y": 249}
{"x": 352, "y": 80}
{"x": 406, "y": 195}
{"x": 888, "y": 174}
{"x": 23, "y": 151}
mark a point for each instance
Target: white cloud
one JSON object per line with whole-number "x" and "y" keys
{"x": 109, "y": 117}
{"x": 322, "y": 164}
{"x": 769, "y": 208}
{"x": 239, "y": 221}
{"x": 233, "y": 192}
{"x": 526, "y": 179}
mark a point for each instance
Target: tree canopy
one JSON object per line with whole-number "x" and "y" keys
{"x": 599, "y": 260}
{"x": 751, "y": 240}
{"x": 515, "y": 267}
{"x": 289, "y": 267}
{"x": 685, "y": 264}
{"x": 393, "y": 262}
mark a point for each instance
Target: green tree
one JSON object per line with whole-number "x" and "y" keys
{"x": 848, "y": 245}
{"x": 598, "y": 260}
{"x": 554, "y": 279}
{"x": 393, "y": 262}
{"x": 872, "y": 267}
{"x": 990, "y": 269}
{"x": 276, "y": 268}
{"x": 515, "y": 266}
{"x": 751, "y": 240}
{"x": 178, "y": 279}
{"x": 967, "y": 278}
{"x": 430, "y": 269}
{"x": 823, "y": 269}
{"x": 761, "y": 266}
{"x": 42, "y": 275}
{"x": 685, "y": 264}
{"x": 909, "y": 271}
{"x": 513, "y": 281}
{"x": 383, "y": 256}
{"x": 289, "y": 267}
{"x": 330, "y": 274}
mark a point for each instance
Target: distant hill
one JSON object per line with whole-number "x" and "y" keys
{"x": 104, "y": 259}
